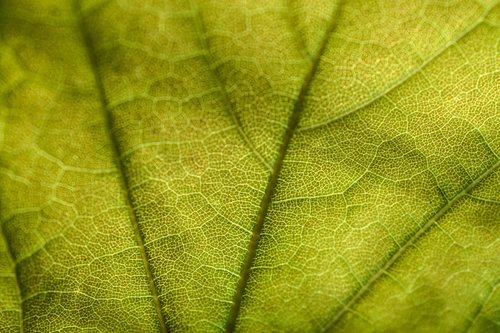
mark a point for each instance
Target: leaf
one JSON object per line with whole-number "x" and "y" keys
{"x": 251, "y": 166}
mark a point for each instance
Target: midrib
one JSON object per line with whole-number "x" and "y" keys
{"x": 274, "y": 176}
{"x": 115, "y": 147}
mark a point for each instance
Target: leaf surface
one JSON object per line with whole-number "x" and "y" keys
{"x": 253, "y": 166}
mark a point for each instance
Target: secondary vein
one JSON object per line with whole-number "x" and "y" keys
{"x": 417, "y": 69}
{"x": 115, "y": 147}
{"x": 412, "y": 240}
{"x": 480, "y": 308}
{"x": 201, "y": 30}
{"x": 273, "y": 178}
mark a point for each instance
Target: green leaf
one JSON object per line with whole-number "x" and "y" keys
{"x": 250, "y": 166}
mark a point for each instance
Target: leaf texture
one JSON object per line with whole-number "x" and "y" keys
{"x": 249, "y": 166}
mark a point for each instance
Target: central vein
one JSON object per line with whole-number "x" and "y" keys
{"x": 121, "y": 168}
{"x": 273, "y": 178}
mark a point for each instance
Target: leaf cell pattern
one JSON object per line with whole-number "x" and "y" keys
{"x": 249, "y": 166}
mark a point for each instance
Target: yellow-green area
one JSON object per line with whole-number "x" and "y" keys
{"x": 249, "y": 166}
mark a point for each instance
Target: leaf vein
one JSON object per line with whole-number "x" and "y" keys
{"x": 201, "y": 33}
{"x": 293, "y": 24}
{"x": 273, "y": 178}
{"x": 480, "y": 308}
{"x": 417, "y": 69}
{"x": 402, "y": 249}
{"x": 86, "y": 38}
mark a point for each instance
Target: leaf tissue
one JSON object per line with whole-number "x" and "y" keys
{"x": 249, "y": 166}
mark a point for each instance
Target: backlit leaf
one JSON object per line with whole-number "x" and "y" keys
{"x": 249, "y": 166}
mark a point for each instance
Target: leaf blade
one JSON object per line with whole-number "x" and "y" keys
{"x": 200, "y": 97}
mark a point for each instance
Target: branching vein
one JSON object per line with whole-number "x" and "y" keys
{"x": 406, "y": 77}
{"x": 410, "y": 242}
{"x": 480, "y": 308}
{"x": 201, "y": 32}
{"x": 121, "y": 168}
{"x": 273, "y": 178}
